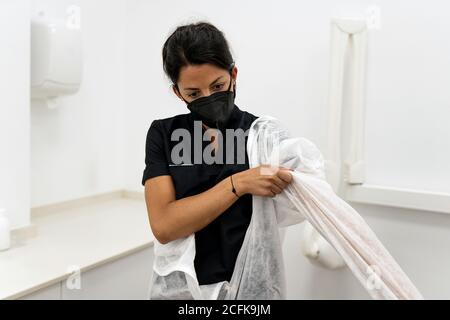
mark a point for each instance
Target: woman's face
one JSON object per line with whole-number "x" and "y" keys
{"x": 197, "y": 81}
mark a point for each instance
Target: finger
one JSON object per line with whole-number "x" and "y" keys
{"x": 267, "y": 170}
{"x": 276, "y": 189}
{"x": 267, "y": 193}
{"x": 279, "y": 182}
{"x": 285, "y": 175}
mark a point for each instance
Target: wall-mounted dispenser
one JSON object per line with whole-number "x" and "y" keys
{"x": 56, "y": 59}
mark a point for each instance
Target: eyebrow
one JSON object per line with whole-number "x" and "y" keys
{"x": 212, "y": 83}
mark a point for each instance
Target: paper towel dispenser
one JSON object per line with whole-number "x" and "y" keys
{"x": 56, "y": 58}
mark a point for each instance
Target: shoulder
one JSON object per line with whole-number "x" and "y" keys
{"x": 160, "y": 130}
{"x": 247, "y": 119}
{"x": 165, "y": 125}
{"x": 250, "y": 116}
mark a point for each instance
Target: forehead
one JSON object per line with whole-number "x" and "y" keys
{"x": 199, "y": 76}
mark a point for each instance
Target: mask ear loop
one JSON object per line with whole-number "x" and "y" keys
{"x": 230, "y": 70}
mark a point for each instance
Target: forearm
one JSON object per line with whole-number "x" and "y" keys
{"x": 191, "y": 214}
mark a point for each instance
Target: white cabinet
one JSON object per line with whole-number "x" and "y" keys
{"x": 125, "y": 278}
{"x": 50, "y": 293}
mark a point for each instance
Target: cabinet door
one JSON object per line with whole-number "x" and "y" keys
{"x": 50, "y": 293}
{"x": 125, "y": 278}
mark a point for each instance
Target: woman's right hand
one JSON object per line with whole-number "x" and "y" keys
{"x": 262, "y": 181}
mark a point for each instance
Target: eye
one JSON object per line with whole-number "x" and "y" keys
{"x": 218, "y": 86}
{"x": 192, "y": 95}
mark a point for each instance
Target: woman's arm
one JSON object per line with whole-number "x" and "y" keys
{"x": 171, "y": 219}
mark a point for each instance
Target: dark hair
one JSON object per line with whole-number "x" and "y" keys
{"x": 195, "y": 44}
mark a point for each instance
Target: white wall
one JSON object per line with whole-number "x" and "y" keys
{"x": 408, "y": 136}
{"x": 95, "y": 141}
{"x": 76, "y": 149}
{"x": 14, "y": 111}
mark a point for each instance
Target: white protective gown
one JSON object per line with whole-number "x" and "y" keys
{"x": 259, "y": 270}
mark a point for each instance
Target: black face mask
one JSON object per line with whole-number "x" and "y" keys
{"x": 214, "y": 110}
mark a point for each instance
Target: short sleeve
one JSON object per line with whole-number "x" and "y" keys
{"x": 155, "y": 158}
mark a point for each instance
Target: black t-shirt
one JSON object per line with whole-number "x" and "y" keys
{"x": 218, "y": 244}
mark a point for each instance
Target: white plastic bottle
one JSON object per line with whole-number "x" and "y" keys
{"x": 4, "y": 231}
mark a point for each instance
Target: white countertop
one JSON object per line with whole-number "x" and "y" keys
{"x": 82, "y": 234}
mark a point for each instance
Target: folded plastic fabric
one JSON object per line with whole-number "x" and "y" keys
{"x": 259, "y": 270}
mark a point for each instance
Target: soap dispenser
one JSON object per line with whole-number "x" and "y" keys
{"x": 4, "y": 231}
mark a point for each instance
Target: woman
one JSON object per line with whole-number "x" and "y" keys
{"x": 214, "y": 201}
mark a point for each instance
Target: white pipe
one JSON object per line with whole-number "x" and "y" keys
{"x": 345, "y": 32}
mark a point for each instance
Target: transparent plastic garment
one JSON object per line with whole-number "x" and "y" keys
{"x": 259, "y": 269}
